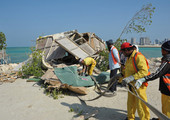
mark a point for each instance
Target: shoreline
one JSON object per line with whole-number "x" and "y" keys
{"x": 149, "y": 46}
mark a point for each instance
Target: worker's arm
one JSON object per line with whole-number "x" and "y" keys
{"x": 162, "y": 70}
{"x": 116, "y": 55}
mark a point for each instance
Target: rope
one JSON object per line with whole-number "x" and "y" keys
{"x": 111, "y": 82}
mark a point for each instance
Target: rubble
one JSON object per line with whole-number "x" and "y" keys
{"x": 67, "y": 47}
{"x": 8, "y": 77}
{"x": 64, "y": 49}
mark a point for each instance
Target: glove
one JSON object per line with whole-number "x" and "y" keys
{"x": 139, "y": 82}
{"x": 127, "y": 80}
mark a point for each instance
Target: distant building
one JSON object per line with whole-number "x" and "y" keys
{"x": 144, "y": 41}
{"x": 157, "y": 41}
{"x": 166, "y": 39}
{"x": 133, "y": 41}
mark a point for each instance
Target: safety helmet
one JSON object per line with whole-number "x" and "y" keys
{"x": 126, "y": 45}
{"x": 80, "y": 60}
{"x": 166, "y": 46}
{"x": 110, "y": 42}
{"x": 137, "y": 48}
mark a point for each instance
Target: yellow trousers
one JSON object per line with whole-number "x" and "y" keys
{"x": 166, "y": 105}
{"x": 91, "y": 68}
{"x": 134, "y": 104}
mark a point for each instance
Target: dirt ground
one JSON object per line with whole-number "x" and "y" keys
{"x": 23, "y": 100}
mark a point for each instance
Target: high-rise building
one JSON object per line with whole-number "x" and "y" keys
{"x": 166, "y": 39}
{"x": 157, "y": 41}
{"x": 144, "y": 41}
{"x": 133, "y": 41}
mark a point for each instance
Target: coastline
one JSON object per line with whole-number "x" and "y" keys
{"x": 20, "y": 54}
{"x": 149, "y": 46}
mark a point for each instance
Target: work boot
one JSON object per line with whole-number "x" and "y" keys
{"x": 155, "y": 118}
{"x": 114, "y": 93}
{"x": 110, "y": 93}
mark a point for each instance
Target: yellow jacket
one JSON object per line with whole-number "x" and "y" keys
{"x": 89, "y": 61}
{"x": 141, "y": 65}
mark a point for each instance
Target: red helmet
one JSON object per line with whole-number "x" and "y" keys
{"x": 126, "y": 45}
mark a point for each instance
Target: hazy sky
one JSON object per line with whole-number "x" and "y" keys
{"x": 22, "y": 21}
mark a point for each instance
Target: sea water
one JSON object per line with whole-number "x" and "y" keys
{"x": 20, "y": 54}
{"x": 151, "y": 52}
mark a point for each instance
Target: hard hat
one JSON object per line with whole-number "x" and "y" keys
{"x": 110, "y": 42}
{"x": 137, "y": 48}
{"x": 126, "y": 45}
{"x": 166, "y": 46}
{"x": 80, "y": 60}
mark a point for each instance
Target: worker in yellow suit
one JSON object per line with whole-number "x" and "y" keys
{"x": 88, "y": 63}
{"x": 135, "y": 61}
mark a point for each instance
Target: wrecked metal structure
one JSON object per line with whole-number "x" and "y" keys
{"x": 68, "y": 46}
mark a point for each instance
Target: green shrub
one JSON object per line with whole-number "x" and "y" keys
{"x": 33, "y": 68}
{"x": 103, "y": 60}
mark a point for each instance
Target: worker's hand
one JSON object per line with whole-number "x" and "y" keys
{"x": 139, "y": 82}
{"x": 127, "y": 80}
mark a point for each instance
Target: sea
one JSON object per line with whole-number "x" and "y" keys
{"x": 20, "y": 54}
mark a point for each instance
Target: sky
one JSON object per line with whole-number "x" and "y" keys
{"x": 23, "y": 21}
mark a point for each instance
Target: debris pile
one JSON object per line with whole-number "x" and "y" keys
{"x": 63, "y": 50}
{"x": 67, "y": 47}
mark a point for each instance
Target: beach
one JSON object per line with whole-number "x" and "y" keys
{"x": 23, "y": 100}
{"x": 54, "y": 61}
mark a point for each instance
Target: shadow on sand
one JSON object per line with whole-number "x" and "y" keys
{"x": 102, "y": 114}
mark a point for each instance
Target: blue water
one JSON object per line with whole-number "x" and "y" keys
{"x": 20, "y": 54}
{"x": 151, "y": 52}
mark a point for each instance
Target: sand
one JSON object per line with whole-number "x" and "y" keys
{"x": 23, "y": 100}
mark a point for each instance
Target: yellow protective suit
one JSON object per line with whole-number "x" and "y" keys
{"x": 166, "y": 105}
{"x": 90, "y": 63}
{"x": 134, "y": 103}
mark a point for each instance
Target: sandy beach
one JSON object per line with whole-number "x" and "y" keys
{"x": 23, "y": 100}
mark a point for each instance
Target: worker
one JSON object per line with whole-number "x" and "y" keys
{"x": 164, "y": 73}
{"x": 88, "y": 64}
{"x": 114, "y": 64}
{"x": 123, "y": 61}
{"x": 135, "y": 68}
